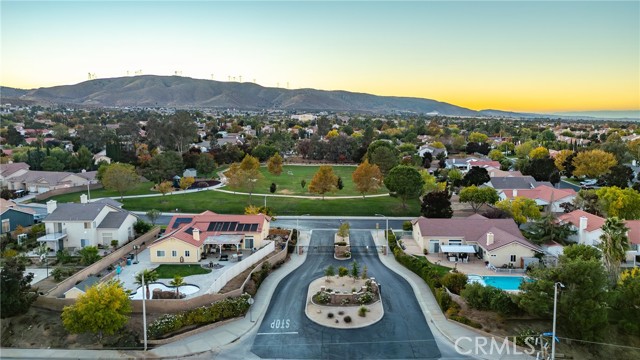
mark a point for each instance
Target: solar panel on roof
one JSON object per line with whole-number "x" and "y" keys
{"x": 225, "y": 226}
{"x": 254, "y": 227}
{"x": 212, "y": 226}
{"x": 233, "y": 225}
{"x": 181, "y": 221}
{"x": 189, "y": 231}
{"x": 219, "y": 226}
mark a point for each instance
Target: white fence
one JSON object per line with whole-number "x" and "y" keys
{"x": 241, "y": 266}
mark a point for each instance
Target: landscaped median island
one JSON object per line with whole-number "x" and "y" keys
{"x": 344, "y": 302}
{"x": 342, "y": 247}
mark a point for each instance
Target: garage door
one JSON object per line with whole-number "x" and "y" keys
{"x": 42, "y": 189}
{"x": 32, "y": 189}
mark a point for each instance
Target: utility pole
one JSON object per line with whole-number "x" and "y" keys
{"x": 144, "y": 313}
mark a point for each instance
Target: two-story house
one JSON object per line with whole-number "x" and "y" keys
{"x": 73, "y": 226}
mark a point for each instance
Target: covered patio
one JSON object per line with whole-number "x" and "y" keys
{"x": 53, "y": 241}
{"x": 224, "y": 247}
{"x": 458, "y": 253}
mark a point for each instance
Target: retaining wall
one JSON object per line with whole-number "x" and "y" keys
{"x": 50, "y": 193}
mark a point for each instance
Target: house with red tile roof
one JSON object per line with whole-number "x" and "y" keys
{"x": 588, "y": 226}
{"x": 189, "y": 236}
{"x": 497, "y": 241}
{"x": 543, "y": 195}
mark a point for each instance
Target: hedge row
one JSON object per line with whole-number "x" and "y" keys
{"x": 218, "y": 311}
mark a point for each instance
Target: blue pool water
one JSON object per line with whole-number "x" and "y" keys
{"x": 508, "y": 283}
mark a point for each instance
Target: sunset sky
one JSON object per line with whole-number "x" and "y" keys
{"x": 512, "y": 55}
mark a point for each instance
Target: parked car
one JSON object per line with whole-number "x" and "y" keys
{"x": 589, "y": 182}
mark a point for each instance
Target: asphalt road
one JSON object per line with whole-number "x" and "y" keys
{"x": 287, "y": 333}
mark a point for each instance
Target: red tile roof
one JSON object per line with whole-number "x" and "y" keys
{"x": 634, "y": 231}
{"x": 594, "y": 222}
{"x": 542, "y": 192}
{"x": 184, "y": 225}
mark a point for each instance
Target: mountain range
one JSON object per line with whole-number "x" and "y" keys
{"x": 184, "y": 92}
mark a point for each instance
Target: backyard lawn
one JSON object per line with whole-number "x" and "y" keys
{"x": 288, "y": 181}
{"x": 225, "y": 203}
{"x": 140, "y": 189}
{"x": 166, "y": 271}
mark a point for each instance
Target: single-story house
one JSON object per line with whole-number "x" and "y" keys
{"x": 13, "y": 215}
{"x": 543, "y": 195}
{"x": 498, "y": 241}
{"x": 82, "y": 287}
{"x": 11, "y": 170}
{"x": 433, "y": 150}
{"x": 101, "y": 157}
{"x": 72, "y": 225}
{"x": 43, "y": 181}
{"x": 588, "y": 226}
{"x": 188, "y": 237}
{"x": 515, "y": 182}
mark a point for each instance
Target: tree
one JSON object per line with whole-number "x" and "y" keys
{"x": 50, "y": 163}
{"x": 476, "y": 176}
{"x": 150, "y": 276}
{"x": 367, "y": 178}
{"x": 245, "y": 174}
{"x": 264, "y": 152}
{"x": 454, "y": 177}
{"x": 496, "y": 155}
{"x": 540, "y": 168}
{"x": 385, "y": 158}
{"x": 206, "y": 164}
{"x": 520, "y": 209}
{"x": 303, "y": 183}
{"x": 103, "y": 310}
{"x": 436, "y": 204}
{"x": 274, "y": 165}
{"x": 84, "y": 158}
{"x": 555, "y": 178}
{"x": 628, "y": 300}
{"x": 405, "y": 182}
{"x": 476, "y": 197}
{"x": 619, "y": 175}
{"x": 16, "y": 295}
{"x": 523, "y": 150}
{"x": 153, "y": 215}
{"x": 634, "y": 149}
{"x": 164, "y": 166}
{"x": 548, "y": 229}
{"x": 164, "y": 187}
{"x": 582, "y": 252}
{"x": 186, "y": 182}
{"x": 329, "y": 271}
{"x": 324, "y": 181}
{"x": 89, "y": 255}
{"x": 561, "y": 157}
{"x": 614, "y": 243}
{"x": 273, "y": 188}
{"x": 120, "y": 177}
{"x": 430, "y": 183}
{"x": 355, "y": 270}
{"x": 177, "y": 282}
{"x": 14, "y": 138}
{"x": 593, "y": 163}
{"x": 477, "y": 137}
{"x": 622, "y": 203}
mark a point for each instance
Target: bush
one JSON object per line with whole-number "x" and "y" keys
{"x": 362, "y": 311}
{"x": 330, "y": 315}
{"x": 218, "y": 311}
{"x": 365, "y": 298}
{"x": 407, "y": 226}
{"x": 347, "y": 319}
{"x": 343, "y": 271}
{"x": 343, "y": 230}
{"x": 455, "y": 282}
{"x": 443, "y": 299}
{"x": 62, "y": 272}
{"x": 141, "y": 227}
{"x": 321, "y": 297}
{"x": 63, "y": 256}
{"x": 466, "y": 321}
{"x": 489, "y": 298}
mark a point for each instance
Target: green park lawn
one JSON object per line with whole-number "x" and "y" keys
{"x": 235, "y": 204}
{"x": 166, "y": 271}
{"x": 288, "y": 183}
{"x": 140, "y": 189}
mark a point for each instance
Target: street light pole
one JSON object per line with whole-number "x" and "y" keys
{"x": 553, "y": 330}
{"x": 386, "y": 233}
{"x": 144, "y": 313}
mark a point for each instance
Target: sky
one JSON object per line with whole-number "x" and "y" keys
{"x": 537, "y": 56}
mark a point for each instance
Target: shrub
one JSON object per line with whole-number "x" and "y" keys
{"x": 406, "y": 226}
{"x": 62, "y": 272}
{"x": 141, "y": 227}
{"x": 343, "y": 230}
{"x": 455, "y": 282}
{"x": 340, "y": 312}
{"x": 443, "y": 299}
{"x": 362, "y": 311}
{"x": 343, "y": 271}
{"x": 347, "y": 319}
{"x": 365, "y": 298}
{"x": 345, "y": 301}
{"x": 524, "y": 334}
{"x": 347, "y": 254}
{"x": 321, "y": 297}
{"x": 330, "y": 315}
{"x": 466, "y": 321}
{"x": 63, "y": 256}
{"x": 489, "y": 298}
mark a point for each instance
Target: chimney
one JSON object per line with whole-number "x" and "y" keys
{"x": 582, "y": 230}
{"x": 583, "y": 222}
{"x": 196, "y": 234}
{"x": 515, "y": 192}
{"x": 51, "y": 206}
{"x": 634, "y": 163}
{"x": 83, "y": 199}
{"x": 489, "y": 238}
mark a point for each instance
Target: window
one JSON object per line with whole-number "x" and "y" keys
{"x": 174, "y": 253}
{"x": 87, "y": 225}
{"x": 187, "y": 253}
{"x": 513, "y": 258}
{"x": 248, "y": 242}
{"x": 160, "y": 253}
{"x": 106, "y": 238}
{"x": 84, "y": 242}
{"x": 6, "y": 226}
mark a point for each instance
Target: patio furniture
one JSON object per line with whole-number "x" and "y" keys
{"x": 224, "y": 257}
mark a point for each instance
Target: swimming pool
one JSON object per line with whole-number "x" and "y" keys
{"x": 184, "y": 289}
{"x": 507, "y": 283}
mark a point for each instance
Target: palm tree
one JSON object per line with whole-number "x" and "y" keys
{"x": 149, "y": 277}
{"x": 177, "y": 282}
{"x": 614, "y": 243}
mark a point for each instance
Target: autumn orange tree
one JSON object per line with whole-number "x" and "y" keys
{"x": 324, "y": 181}
{"x": 367, "y": 178}
{"x": 274, "y": 164}
{"x": 561, "y": 157}
{"x": 593, "y": 163}
{"x": 186, "y": 181}
{"x": 245, "y": 174}
{"x": 164, "y": 187}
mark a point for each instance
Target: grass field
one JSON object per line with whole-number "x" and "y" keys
{"x": 235, "y": 203}
{"x": 139, "y": 189}
{"x": 290, "y": 184}
{"x": 166, "y": 271}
